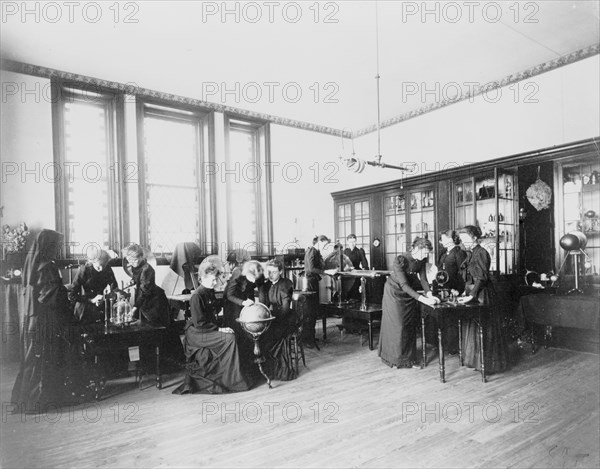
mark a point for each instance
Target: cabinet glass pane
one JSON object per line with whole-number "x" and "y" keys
{"x": 581, "y": 202}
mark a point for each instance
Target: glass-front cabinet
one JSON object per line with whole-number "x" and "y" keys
{"x": 355, "y": 217}
{"x": 408, "y": 215}
{"x": 489, "y": 201}
{"x": 579, "y": 207}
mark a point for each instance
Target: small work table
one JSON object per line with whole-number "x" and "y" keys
{"x": 99, "y": 339}
{"x": 443, "y": 313}
{"x": 369, "y": 313}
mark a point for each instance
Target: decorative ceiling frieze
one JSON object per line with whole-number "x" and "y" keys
{"x": 468, "y": 93}
{"x": 478, "y": 90}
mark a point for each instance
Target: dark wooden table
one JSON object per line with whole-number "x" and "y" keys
{"x": 369, "y": 313}
{"x": 446, "y": 312}
{"x": 573, "y": 311}
{"x": 99, "y": 339}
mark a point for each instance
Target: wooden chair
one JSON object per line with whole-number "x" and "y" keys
{"x": 295, "y": 339}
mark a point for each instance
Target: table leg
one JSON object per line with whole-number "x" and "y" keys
{"x": 158, "y": 375}
{"x": 424, "y": 364}
{"x": 441, "y": 356}
{"x": 481, "y": 352}
{"x": 460, "y": 348}
{"x": 547, "y": 335}
{"x": 370, "y": 333}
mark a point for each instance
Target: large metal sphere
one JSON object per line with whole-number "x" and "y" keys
{"x": 573, "y": 241}
{"x": 255, "y": 318}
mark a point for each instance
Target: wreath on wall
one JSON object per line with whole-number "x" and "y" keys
{"x": 539, "y": 193}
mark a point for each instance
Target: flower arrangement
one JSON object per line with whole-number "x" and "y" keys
{"x": 14, "y": 239}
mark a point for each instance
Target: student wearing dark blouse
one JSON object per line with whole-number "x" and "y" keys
{"x": 479, "y": 288}
{"x": 151, "y": 303}
{"x": 277, "y": 294}
{"x": 400, "y": 318}
{"x": 86, "y": 291}
{"x": 313, "y": 269}
{"x": 451, "y": 261}
{"x": 212, "y": 356}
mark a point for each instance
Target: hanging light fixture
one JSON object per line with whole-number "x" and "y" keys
{"x": 353, "y": 163}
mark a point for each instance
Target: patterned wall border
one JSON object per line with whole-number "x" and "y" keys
{"x": 510, "y": 79}
{"x": 45, "y": 72}
{"x": 106, "y": 85}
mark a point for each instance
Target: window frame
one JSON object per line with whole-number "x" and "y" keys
{"x": 63, "y": 92}
{"x": 204, "y": 122}
{"x": 261, "y": 143}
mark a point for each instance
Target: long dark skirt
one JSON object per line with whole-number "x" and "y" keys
{"x": 276, "y": 343}
{"x": 400, "y": 319}
{"x": 213, "y": 364}
{"x": 42, "y": 377}
{"x": 495, "y": 342}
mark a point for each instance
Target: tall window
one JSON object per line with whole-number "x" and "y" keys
{"x": 249, "y": 224}
{"x": 86, "y": 168}
{"x": 170, "y": 193}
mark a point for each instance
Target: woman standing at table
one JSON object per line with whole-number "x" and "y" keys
{"x": 87, "y": 289}
{"x": 213, "y": 362}
{"x": 400, "y": 318}
{"x": 41, "y": 378}
{"x": 151, "y": 304}
{"x": 451, "y": 261}
{"x": 479, "y": 288}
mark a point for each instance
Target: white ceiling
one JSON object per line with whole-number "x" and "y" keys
{"x": 172, "y": 48}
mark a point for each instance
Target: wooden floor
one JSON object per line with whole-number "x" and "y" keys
{"x": 346, "y": 409}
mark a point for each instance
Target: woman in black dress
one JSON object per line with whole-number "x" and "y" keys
{"x": 150, "y": 303}
{"x": 86, "y": 291}
{"x": 239, "y": 292}
{"x": 400, "y": 319}
{"x": 479, "y": 288}
{"x": 43, "y": 371}
{"x": 451, "y": 261}
{"x": 213, "y": 362}
{"x": 277, "y": 294}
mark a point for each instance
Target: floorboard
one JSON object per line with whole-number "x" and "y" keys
{"x": 346, "y": 409}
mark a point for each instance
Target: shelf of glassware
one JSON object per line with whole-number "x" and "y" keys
{"x": 422, "y": 214}
{"x": 496, "y": 216}
{"x": 581, "y": 199}
{"x": 463, "y": 203}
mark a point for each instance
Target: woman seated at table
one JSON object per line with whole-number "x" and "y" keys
{"x": 479, "y": 288}
{"x": 87, "y": 290}
{"x": 213, "y": 362}
{"x": 400, "y": 315}
{"x": 277, "y": 294}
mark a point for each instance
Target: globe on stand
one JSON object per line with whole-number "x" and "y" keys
{"x": 255, "y": 319}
